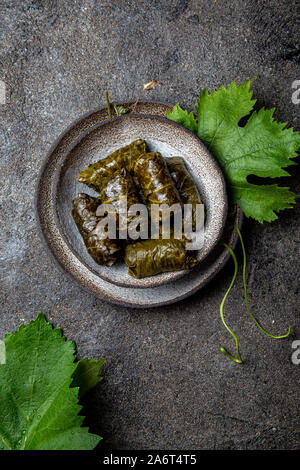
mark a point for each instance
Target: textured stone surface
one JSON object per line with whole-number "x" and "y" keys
{"x": 166, "y": 384}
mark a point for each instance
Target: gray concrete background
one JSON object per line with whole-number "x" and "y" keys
{"x": 166, "y": 384}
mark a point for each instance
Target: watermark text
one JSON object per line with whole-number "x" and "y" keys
{"x": 175, "y": 221}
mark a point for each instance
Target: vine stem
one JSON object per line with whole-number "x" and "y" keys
{"x": 107, "y": 104}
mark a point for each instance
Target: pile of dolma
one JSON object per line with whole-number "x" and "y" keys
{"x": 141, "y": 177}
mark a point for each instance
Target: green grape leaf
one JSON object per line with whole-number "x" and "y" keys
{"x": 262, "y": 147}
{"x": 87, "y": 374}
{"x": 182, "y": 117}
{"x": 120, "y": 110}
{"x": 38, "y": 408}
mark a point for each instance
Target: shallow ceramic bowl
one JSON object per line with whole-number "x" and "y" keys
{"x": 161, "y": 135}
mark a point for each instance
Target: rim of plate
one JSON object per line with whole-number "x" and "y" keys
{"x": 103, "y": 291}
{"x": 159, "y": 279}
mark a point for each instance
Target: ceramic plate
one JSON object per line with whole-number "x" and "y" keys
{"x": 161, "y": 135}
{"x": 65, "y": 156}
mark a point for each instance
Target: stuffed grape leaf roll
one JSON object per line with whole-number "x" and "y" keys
{"x": 185, "y": 184}
{"x": 150, "y": 257}
{"x": 121, "y": 193}
{"x": 157, "y": 187}
{"x": 97, "y": 174}
{"x": 103, "y": 251}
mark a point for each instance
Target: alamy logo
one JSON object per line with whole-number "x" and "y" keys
{"x": 296, "y": 94}
{"x": 2, "y": 92}
{"x": 176, "y": 221}
{"x": 296, "y": 354}
{"x": 2, "y": 352}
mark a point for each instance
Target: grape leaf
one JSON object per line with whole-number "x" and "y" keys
{"x": 38, "y": 409}
{"x": 120, "y": 110}
{"x": 262, "y": 147}
{"x": 86, "y": 374}
{"x": 183, "y": 118}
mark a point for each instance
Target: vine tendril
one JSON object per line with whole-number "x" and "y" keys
{"x": 237, "y": 359}
{"x": 245, "y": 290}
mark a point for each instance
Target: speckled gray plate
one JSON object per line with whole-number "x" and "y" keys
{"x": 69, "y": 261}
{"x": 161, "y": 135}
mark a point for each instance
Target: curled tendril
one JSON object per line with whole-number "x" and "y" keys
{"x": 237, "y": 359}
{"x": 150, "y": 85}
{"x": 246, "y": 297}
{"x": 146, "y": 87}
